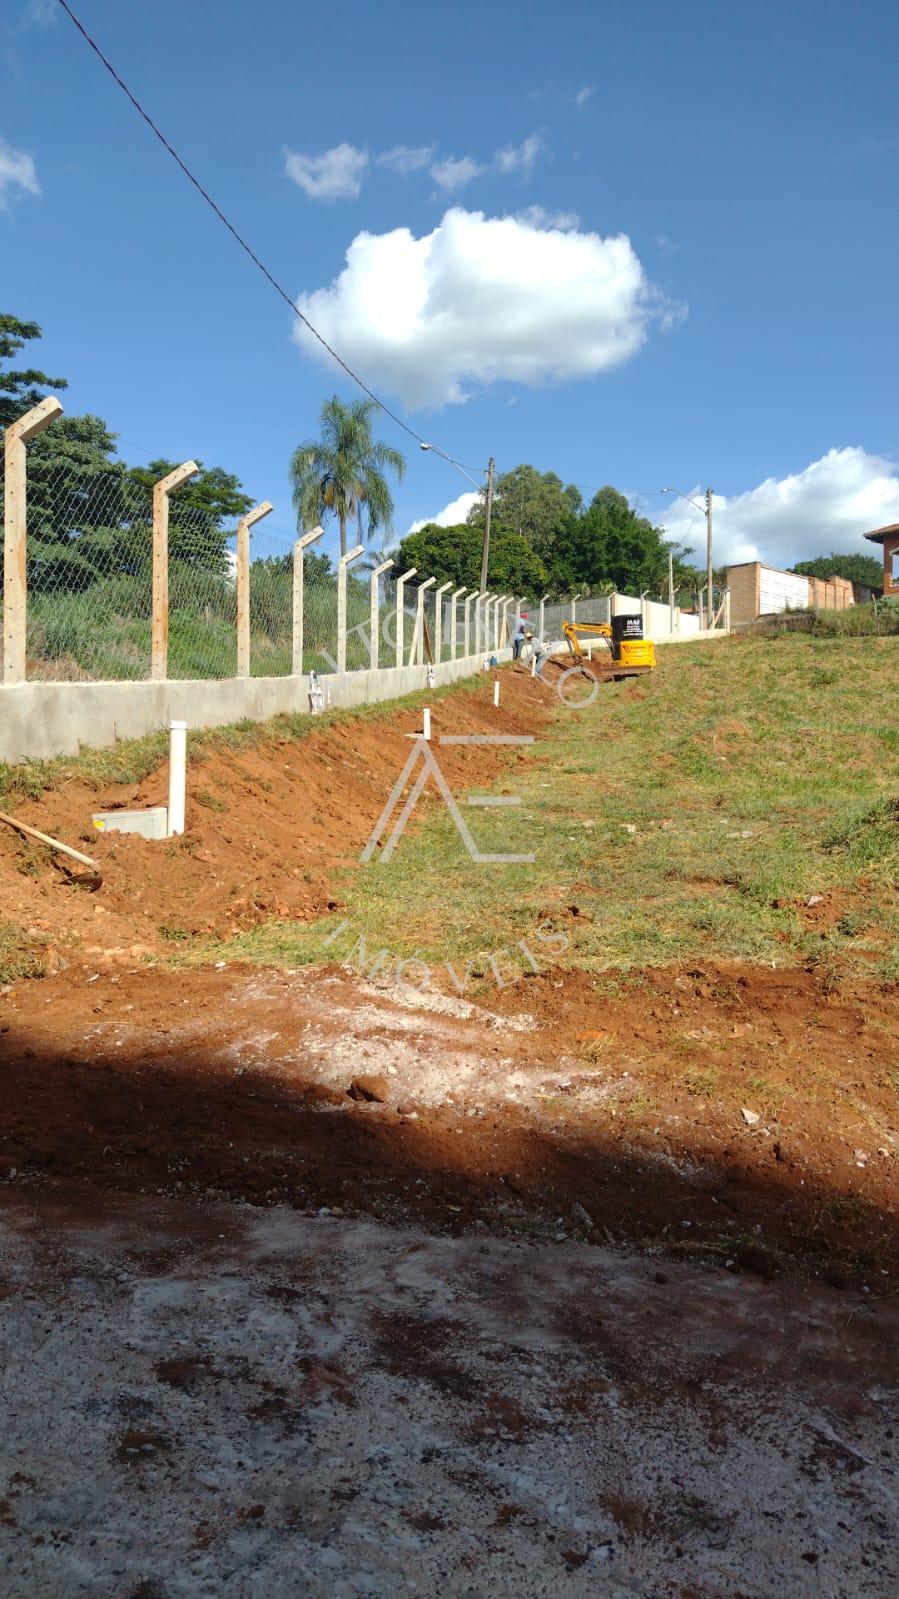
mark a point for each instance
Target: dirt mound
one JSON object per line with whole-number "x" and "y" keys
{"x": 266, "y": 827}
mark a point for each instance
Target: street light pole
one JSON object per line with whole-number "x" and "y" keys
{"x": 488, "y": 508}
{"x": 707, "y": 508}
{"x": 708, "y": 552}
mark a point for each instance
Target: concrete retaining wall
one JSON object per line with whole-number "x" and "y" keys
{"x": 39, "y": 720}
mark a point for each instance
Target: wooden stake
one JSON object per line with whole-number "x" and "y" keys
{"x": 44, "y": 838}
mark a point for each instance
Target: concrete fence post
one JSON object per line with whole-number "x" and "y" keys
{"x": 499, "y": 612}
{"x": 243, "y": 584}
{"x": 400, "y": 584}
{"x": 483, "y": 617}
{"x": 504, "y": 620}
{"x": 159, "y": 650}
{"x": 543, "y": 600}
{"x": 342, "y": 564}
{"x": 466, "y": 619}
{"x": 574, "y": 600}
{"x": 374, "y": 658}
{"x": 438, "y": 620}
{"x": 456, "y": 594}
{"x": 15, "y": 535}
{"x": 300, "y": 546}
{"x": 493, "y": 633}
{"x": 417, "y": 652}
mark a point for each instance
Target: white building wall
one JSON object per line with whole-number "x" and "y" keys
{"x": 781, "y": 591}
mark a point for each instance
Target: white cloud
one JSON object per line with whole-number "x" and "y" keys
{"x": 481, "y": 300}
{"x": 583, "y": 95}
{"x": 405, "y": 158}
{"x": 453, "y": 174}
{"x": 334, "y": 175}
{"x": 452, "y": 514}
{"x": 18, "y": 174}
{"x": 826, "y": 508}
{"x": 520, "y": 157}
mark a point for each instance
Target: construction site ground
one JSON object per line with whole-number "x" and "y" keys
{"x": 569, "y": 1270}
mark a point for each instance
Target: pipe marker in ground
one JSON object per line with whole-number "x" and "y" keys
{"x": 496, "y": 691}
{"x": 177, "y": 775}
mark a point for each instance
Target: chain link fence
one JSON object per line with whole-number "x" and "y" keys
{"x": 89, "y": 575}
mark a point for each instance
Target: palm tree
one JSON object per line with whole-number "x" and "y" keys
{"x": 342, "y": 473}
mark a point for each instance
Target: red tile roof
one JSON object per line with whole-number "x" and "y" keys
{"x": 881, "y": 534}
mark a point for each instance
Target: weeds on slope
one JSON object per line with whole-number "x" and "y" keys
{"x": 740, "y": 803}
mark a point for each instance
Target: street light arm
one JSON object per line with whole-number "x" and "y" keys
{"x": 680, "y": 496}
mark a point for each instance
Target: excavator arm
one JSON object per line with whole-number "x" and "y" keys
{"x": 590, "y": 629}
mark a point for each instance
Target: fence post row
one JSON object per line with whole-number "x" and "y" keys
{"x": 15, "y": 535}
{"x": 343, "y": 563}
{"x": 159, "y": 648}
{"x": 243, "y": 584}
{"x": 400, "y": 585}
{"x": 301, "y": 544}
{"x": 373, "y": 614}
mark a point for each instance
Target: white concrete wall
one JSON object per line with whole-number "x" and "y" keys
{"x": 657, "y": 620}
{"x": 39, "y": 720}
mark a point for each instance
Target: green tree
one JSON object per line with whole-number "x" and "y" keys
{"x": 454, "y": 554}
{"x": 21, "y": 389}
{"x": 610, "y": 543}
{"x": 535, "y": 505}
{"x": 342, "y": 473}
{"x": 866, "y": 569}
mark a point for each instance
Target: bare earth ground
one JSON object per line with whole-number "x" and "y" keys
{"x": 597, "y": 1295}
{"x": 252, "y": 1402}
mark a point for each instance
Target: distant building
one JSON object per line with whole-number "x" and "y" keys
{"x": 757, "y": 590}
{"x": 889, "y": 538}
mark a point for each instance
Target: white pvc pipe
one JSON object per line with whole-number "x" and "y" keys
{"x": 426, "y": 730}
{"x": 177, "y": 775}
{"x": 496, "y": 691}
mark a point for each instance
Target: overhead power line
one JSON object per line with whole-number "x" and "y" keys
{"x": 247, "y": 248}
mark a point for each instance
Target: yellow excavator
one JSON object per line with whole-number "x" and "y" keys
{"x": 630, "y": 654}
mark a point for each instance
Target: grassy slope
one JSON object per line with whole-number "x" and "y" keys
{"x": 690, "y": 816}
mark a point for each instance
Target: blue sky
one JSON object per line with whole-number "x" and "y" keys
{"x": 696, "y": 282}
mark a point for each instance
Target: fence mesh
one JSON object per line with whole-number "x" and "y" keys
{"x": 89, "y": 561}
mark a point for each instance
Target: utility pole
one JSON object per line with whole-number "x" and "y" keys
{"x": 708, "y": 533}
{"x": 488, "y": 507}
{"x": 671, "y": 592}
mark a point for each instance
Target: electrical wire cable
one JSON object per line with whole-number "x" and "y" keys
{"x": 247, "y": 248}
